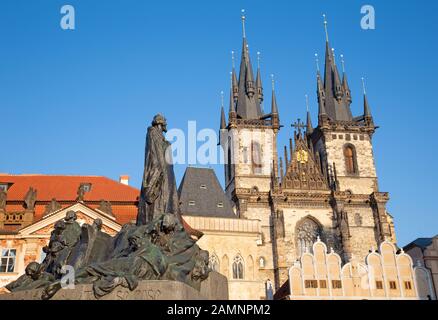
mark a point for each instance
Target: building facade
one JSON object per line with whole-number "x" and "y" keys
{"x": 424, "y": 253}
{"x": 384, "y": 274}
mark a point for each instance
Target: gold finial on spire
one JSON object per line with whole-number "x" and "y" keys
{"x": 343, "y": 63}
{"x": 363, "y": 86}
{"x": 325, "y": 28}
{"x": 222, "y": 99}
{"x": 317, "y": 62}
{"x": 307, "y": 103}
{"x": 273, "y": 82}
{"x": 243, "y": 22}
{"x": 258, "y": 59}
{"x": 232, "y": 58}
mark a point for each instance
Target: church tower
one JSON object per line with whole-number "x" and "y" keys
{"x": 248, "y": 141}
{"x": 344, "y": 145}
{"x": 249, "y": 138}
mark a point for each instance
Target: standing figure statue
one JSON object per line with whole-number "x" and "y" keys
{"x": 158, "y": 191}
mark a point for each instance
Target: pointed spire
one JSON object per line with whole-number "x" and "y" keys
{"x": 337, "y": 78}
{"x": 309, "y": 128}
{"x": 259, "y": 85}
{"x": 223, "y": 124}
{"x": 274, "y": 107}
{"x": 345, "y": 85}
{"x": 248, "y": 105}
{"x": 234, "y": 84}
{"x": 366, "y": 107}
{"x": 317, "y": 62}
{"x": 336, "y": 107}
{"x": 321, "y": 98}
{"x": 243, "y": 23}
{"x": 325, "y": 28}
{"x": 232, "y": 107}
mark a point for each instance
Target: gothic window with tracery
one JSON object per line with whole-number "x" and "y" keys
{"x": 308, "y": 232}
{"x": 238, "y": 267}
{"x": 214, "y": 263}
{"x": 350, "y": 160}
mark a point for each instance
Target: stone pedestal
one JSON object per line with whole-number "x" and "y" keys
{"x": 214, "y": 288}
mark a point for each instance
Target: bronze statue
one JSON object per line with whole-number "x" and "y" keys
{"x": 33, "y": 278}
{"x": 158, "y": 191}
{"x": 157, "y": 247}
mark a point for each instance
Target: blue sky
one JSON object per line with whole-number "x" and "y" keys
{"x": 79, "y": 102}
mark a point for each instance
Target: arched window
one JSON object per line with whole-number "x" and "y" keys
{"x": 307, "y": 233}
{"x": 225, "y": 266}
{"x": 256, "y": 158}
{"x": 262, "y": 262}
{"x": 238, "y": 267}
{"x": 350, "y": 159}
{"x": 249, "y": 268}
{"x": 214, "y": 263}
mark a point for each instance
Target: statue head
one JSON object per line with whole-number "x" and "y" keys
{"x": 160, "y": 121}
{"x": 56, "y": 246}
{"x": 98, "y": 224}
{"x": 59, "y": 225}
{"x": 200, "y": 270}
{"x": 136, "y": 241}
{"x": 169, "y": 223}
{"x": 70, "y": 216}
{"x": 32, "y": 269}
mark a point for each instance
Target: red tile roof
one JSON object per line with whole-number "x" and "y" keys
{"x": 64, "y": 188}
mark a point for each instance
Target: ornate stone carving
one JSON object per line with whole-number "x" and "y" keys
{"x": 303, "y": 171}
{"x": 105, "y": 206}
{"x": 30, "y": 199}
{"x": 52, "y": 207}
{"x": 3, "y": 198}
{"x": 307, "y": 232}
{"x": 80, "y": 193}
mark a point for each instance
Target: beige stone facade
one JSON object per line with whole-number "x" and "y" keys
{"x": 384, "y": 274}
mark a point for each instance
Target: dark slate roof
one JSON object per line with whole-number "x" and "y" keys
{"x": 422, "y": 243}
{"x": 202, "y": 186}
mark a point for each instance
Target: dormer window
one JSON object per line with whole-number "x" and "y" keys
{"x": 191, "y": 203}
{"x": 86, "y": 187}
{"x": 4, "y": 187}
{"x": 220, "y": 205}
{"x": 203, "y": 186}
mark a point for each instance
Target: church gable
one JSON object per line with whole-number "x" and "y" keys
{"x": 84, "y": 214}
{"x": 303, "y": 170}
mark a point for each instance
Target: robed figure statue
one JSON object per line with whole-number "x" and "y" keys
{"x": 158, "y": 190}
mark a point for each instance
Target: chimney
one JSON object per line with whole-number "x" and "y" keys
{"x": 124, "y": 180}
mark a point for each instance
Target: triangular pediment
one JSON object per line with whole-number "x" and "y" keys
{"x": 84, "y": 213}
